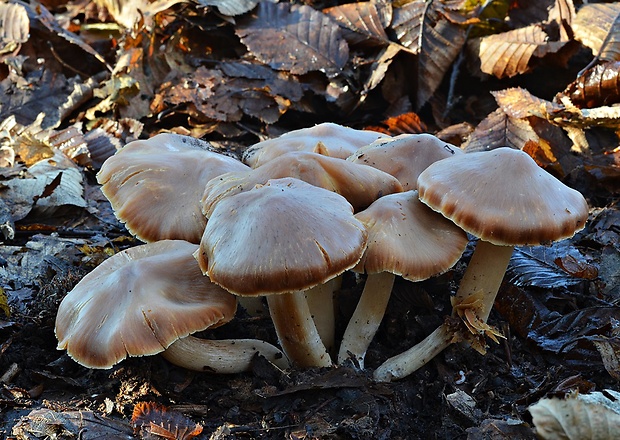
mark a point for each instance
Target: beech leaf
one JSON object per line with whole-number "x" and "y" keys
{"x": 14, "y": 26}
{"x": 500, "y": 130}
{"x": 583, "y": 416}
{"x": 597, "y": 26}
{"x": 230, "y": 7}
{"x": 296, "y": 38}
{"x": 597, "y": 86}
{"x": 507, "y": 54}
{"x": 363, "y": 20}
{"x": 549, "y": 267}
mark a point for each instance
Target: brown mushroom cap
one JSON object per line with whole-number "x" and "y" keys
{"x": 359, "y": 184}
{"x": 284, "y": 236}
{"x": 407, "y": 238}
{"x": 155, "y": 185}
{"x": 503, "y": 197}
{"x": 327, "y": 138}
{"x": 137, "y": 303}
{"x": 405, "y": 156}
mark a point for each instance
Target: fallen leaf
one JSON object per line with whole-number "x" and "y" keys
{"x": 578, "y": 416}
{"x": 15, "y": 26}
{"x": 500, "y": 130}
{"x": 401, "y": 124}
{"x": 296, "y": 38}
{"x": 230, "y": 7}
{"x": 364, "y": 21}
{"x": 597, "y": 26}
{"x": 595, "y": 87}
{"x": 154, "y": 421}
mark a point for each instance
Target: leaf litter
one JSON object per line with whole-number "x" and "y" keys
{"x": 81, "y": 79}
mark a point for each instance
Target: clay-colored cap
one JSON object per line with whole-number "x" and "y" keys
{"x": 284, "y": 236}
{"x": 137, "y": 303}
{"x": 407, "y": 238}
{"x": 359, "y": 184}
{"x": 405, "y": 156}
{"x": 327, "y": 138}
{"x": 503, "y": 197}
{"x": 155, "y": 185}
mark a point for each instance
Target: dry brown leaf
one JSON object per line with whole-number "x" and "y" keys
{"x": 442, "y": 41}
{"x": 500, "y": 130}
{"x": 296, "y": 38}
{"x": 155, "y": 421}
{"x": 520, "y": 103}
{"x": 363, "y": 21}
{"x": 597, "y": 86}
{"x": 578, "y": 416}
{"x": 407, "y": 24}
{"x": 230, "y": 7}
{"x": 379, "y": 68}
{"x": 237, "y": 89}
{"x": 570, "y": 116}
{"x": 597, "y": 26}
{"x": 401, "y": 124}
{"x": 129, "y": 13}
{"x": 509, "y": 53}
{"x": 14, "y": 26}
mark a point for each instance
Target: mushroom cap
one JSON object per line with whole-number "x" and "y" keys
{"x": 155, "y": 185}
{"x": 284, "y": 236}
{"x": 503, "y": 197}
{"x": 327, "y": 138}
{"x": 405, "y": 156}
{"x": 137, "y": 303}
{"x": 359, "y": 184}
{"x": 407, "y": 238}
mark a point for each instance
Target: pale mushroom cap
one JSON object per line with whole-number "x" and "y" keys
{"x": 155, "y": 185}
{"x": 137, "y": 303}
{"x": 284, "y": 236}
{"x": 405, "y": 156}
{"x": 407, "y": 238}
{"x": 327, "y": 138}
{"x": 503, "y": 197}
{"x": 359, "y": 184}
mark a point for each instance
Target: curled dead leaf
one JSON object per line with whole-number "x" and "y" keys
{"x": 597, "y": 26}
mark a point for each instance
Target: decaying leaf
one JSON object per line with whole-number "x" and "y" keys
{"x": 401, "y": 124}
{"x": 237, "y": 89}
{"x": 155, "y": 421}
{"x": 365, "y": 21}
{"x": 520, "y": 103}
{"x": 230, "y": 7}
{"x": 510, "y": 53}
{"x": 441, "y": 42}
{"x": 46, "y": 423}
{"x": 129, "y": 13}
{"x": 578, "y": 416}
{"x": 596, "y": 87}
{"x": 407, "y": 24}
{"x": 296, "y": 38}
{"x": 500, "y": 130}
{"x": 548, "y": 267}
{"x": 14, "y": 26}
{"x": 597, "y": 26}
{"x": 23, "y": 195}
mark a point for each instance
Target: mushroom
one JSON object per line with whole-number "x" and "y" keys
{"x": 405, "y": 156}
{"x": 405, "y": 238}
{"x": 327, "y": 138}
{"x": 283, "y": 239}
{"x": 359, "y": 184}
{"x": 147, "y": 300}
{"x": 503, "y": 197}
{"x": 155, "y": 185}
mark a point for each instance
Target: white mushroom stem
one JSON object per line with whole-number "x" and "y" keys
{"x": 476, "y": 293}
{"x": 367, "y": 317}
{"x": 296, "y": 330}
{"x": 322, "y": 309}
{"x": 482, "y": 278}
{"x": 404, "y": 364}
{"x": 223, "y": 356}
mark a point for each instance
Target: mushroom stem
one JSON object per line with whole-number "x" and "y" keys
{"x": 482, "y": 278}
{"x": 321, "y": 304}
{"x": 296, "y": 330}
{"x": 367, "y": 317}
{"x": 417, "y": 356}
{"x": 223, "y": 356}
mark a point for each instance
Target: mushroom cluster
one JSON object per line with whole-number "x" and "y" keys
{"x": 284, "y": 224}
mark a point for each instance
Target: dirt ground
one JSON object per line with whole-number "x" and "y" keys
{"x": 460, "y": 394}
